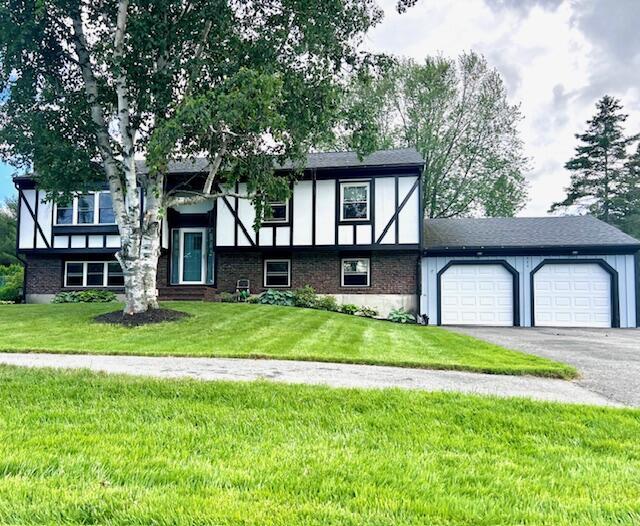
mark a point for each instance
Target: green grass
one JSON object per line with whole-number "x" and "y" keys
{"x": 81, "y": 448}
{"x": 262, "y": 331}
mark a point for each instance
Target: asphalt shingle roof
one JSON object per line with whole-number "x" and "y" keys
{"x": 398, "y": 157}
{"x": 522, "y": 232}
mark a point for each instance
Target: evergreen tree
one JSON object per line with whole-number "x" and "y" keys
{"x": 599, "y": 168}
{"x": 8, "y": 221}
{"x": 627, "y": 203}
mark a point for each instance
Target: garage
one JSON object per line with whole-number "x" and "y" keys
{"x": 477, "y": 294}
{"x": 572, "y": 294}
{"x": 573, "y": 271}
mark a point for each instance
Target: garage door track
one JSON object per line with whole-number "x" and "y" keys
{"x": 608, "y": 359}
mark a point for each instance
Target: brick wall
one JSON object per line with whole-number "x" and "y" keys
{"x": 391, "y": 273}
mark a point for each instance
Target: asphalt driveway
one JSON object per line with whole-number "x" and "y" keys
{"x": 608, "y": 359}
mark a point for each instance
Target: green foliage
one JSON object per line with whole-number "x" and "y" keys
{"x": 458, "y": 116}
{"x": 11, "y": 282}
{"x": 277, "y": 297}
{"x": 227, "y": 297}
{"x": 243, "y": 295}
{"x": 8, "y": 229}
{"x": 240, "y": 330}
{"x": 349, "y": 308}
{"x": 401, "y": 315}
{"x": 85, "y": 296}
{"x": 305, "y": 297}
{"x": 604, "y": 178}
{"x": 368, "y": 312}
{"x": 327, "y": 302}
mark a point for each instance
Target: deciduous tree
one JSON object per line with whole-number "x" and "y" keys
{"x": 93, "y": 84}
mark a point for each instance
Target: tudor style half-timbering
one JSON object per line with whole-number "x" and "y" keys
{"x": 351, "y": 228}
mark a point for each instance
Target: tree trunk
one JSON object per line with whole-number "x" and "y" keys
{"x": 139, "y": 260}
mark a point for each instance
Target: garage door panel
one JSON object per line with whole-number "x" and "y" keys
{"x": 572, "y": 295}
{"x": 476, "y": 295}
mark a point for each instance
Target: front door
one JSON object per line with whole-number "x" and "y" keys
{"x": 192, "y": 260}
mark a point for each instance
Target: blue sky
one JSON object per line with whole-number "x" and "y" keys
{"x": 6, "y": 186}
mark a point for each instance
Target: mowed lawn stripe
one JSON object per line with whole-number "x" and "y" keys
{"x": 77, "y": 447}
{"x": 262, "y": 331}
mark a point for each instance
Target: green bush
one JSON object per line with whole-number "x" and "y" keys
{"x": 85, "y": 296}
{"x": 11, "y": 278}
{"x": 305, "y": 297}
{"x": 400, "y": 315}
{"x": 349, "y": 308}
{"x": 227, "y": 297}
{"x": 277, "y": 297}
{"x": 368, "y": 312}
{"x": 327, "y": 303}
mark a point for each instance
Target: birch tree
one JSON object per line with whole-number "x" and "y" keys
{"x": 95, "y": 84}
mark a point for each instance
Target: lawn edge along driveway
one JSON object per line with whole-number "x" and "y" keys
{"x": 263, "y": 331}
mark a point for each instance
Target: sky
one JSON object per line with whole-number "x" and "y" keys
{"x": 557, "y": 57}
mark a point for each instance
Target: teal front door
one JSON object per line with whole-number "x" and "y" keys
{"x": 192, "y": 255}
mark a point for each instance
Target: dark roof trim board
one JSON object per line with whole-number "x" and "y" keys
{"x": 534, "y": 235}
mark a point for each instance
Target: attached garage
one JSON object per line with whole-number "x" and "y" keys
{"x": 545, "y": 272}
{"x": 574, "y": 294}
{"x": 477, "y": 294}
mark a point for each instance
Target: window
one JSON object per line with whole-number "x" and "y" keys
{"x": 93, "y": 274}
{"x": 355, "y": 272}
{"x": 354, "y": 201}
{"x": 86, "y": 207}
{"x": 277, "y": 273}
{"x": 105, "y": 208}
{"x": 64, "y": 214}
{"x": 279, "y": 213}
{"x": 93, "y": 208}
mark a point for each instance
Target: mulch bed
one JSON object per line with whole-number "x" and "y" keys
{"x": 144, "y": 318}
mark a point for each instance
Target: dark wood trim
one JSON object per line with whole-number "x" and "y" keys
{"x": 396, "y": 214}
{"x": 84, "y": 229}
{"x": 636, "y": 261}
{"x": 35, "y": 214}
{"x": 236, "y": 219}
{"x": 613, "y": 273}
{"x": 36, "y": 224}
{"x": 237, "y": 223}
{"x": 514, "y": 273}
{"x": 337, "y": 212}
{"x": 313, "y": 207}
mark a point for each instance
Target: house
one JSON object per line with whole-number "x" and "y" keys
{"x": 353, "y": 228}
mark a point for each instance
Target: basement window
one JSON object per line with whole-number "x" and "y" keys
{"x": 355, "y": 272}
{"x": 277, "y": 273}
{"x": 93, "y": 274}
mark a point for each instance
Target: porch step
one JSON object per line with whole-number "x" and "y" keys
{"x": 182, "y": 293}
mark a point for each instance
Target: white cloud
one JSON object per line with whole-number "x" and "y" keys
{"x": 557, "y": 58}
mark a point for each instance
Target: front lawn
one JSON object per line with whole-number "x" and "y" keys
{"x": 81, "y": 448}
{"x": 262, "y": 331}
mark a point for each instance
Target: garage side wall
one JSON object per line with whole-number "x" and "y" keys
{"x": 623, "y": 264}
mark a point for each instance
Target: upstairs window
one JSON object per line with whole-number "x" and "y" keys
{"x": 277, "y": 273}
{"x": 93, "y": 274}
{"x": 64, "y": 214}
{"x": 92, "y": 208}
{"x": 105, "y": 209}
{"x": 355, "y": 272}
{"x": 86, "y": 208}
{"x": 354, "y": 201}
{"x": 279, "y": 212}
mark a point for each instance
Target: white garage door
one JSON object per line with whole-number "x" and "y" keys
{"x": 477, "y": 295}
{"x": 572, "y": 295}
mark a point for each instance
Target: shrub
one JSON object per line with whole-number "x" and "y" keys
{"x": 253, "y": 299}
{"x": 243, "y": 295}
{"x": 85, "y": 296}
{"x": 401, "y": 316}
{"x": 11, "y": 283}
{"x": 277, "y": 297}
{"x": 327, "y": 303}
{"x": 305, "y": 297}
{"x": 227, "y": 297}
{"x": 349, "y": 308}
{"x": 368, "y": 312}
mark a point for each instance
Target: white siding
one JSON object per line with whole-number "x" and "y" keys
{"x": 409, "y": 218}
{"x": 247, "y": 215}
{"x": 303, "y": 213}
{"x": 27, "y": 225}
{"x": 325, "y": 212}
{"x": 44, "y": 220}
{"x": 225, "y": 225}
{"x": 623, "y": 264}
{"x": 385, "y": 207}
